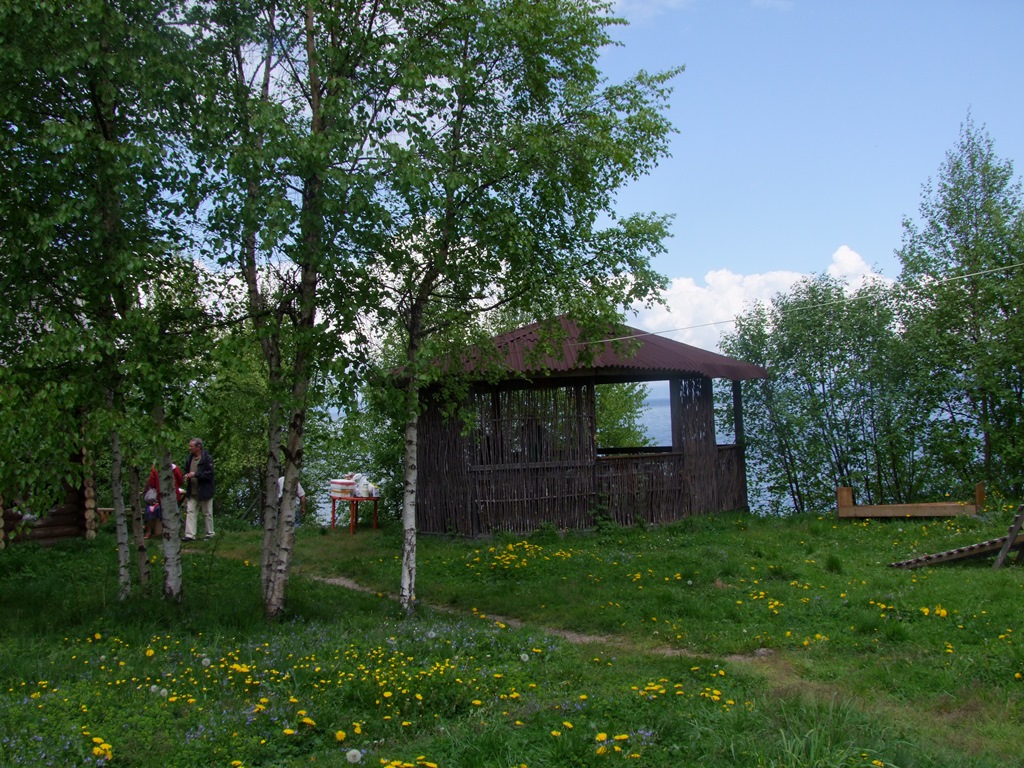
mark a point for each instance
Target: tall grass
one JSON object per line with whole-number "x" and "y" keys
{"x": 727, "y": 641}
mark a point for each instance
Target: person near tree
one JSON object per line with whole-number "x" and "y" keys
{"x": 300, "y": 497}
{"x": 154, "y": 500}
{"x": 198, "y": 488}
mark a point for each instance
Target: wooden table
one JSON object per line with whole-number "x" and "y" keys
{"x": 353, "y": 510}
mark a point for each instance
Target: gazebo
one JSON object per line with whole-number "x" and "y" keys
{"x": 527, "y": 454}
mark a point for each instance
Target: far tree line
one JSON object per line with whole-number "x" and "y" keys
{"x": 904, "y": 390}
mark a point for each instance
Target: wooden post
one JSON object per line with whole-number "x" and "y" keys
{"x": 979, "y": 498}
{"x": 675, "y": 414}
{"x": 89, "y": 512}
{"x": 844, "y": 498}
{"x": 1010, "y": 537}
{"x": 737, "y": 412}
{"x": 741, "y": 443}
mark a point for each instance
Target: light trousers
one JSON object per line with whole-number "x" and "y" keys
{"x": 194, "y": 505}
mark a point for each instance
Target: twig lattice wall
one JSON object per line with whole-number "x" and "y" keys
{"x": 528, "y": 457}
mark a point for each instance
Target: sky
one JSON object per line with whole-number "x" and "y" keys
{"x": 806, "y": 130}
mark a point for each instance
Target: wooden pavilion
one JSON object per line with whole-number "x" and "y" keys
{"x": 528, "y": 455}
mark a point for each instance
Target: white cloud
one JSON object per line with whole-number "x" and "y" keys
{"x": 699, "y": 314}
{"x": 850, "y": 266}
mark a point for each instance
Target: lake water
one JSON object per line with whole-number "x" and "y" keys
{"x": 657, "y": 417}
{"x": 657, "y": 420}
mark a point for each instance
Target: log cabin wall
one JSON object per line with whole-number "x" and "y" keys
{"x": 643, "y": 488}
{"x": 731, "y": 471}
{"x": 66, "y": 520}
{"x": 75, "y": 516}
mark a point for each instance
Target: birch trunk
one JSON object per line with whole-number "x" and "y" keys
{"x": 271, "y": 509}
{"x": 138, "y": 526}
{"x": 124, "y": 573}
{"x": 407, "y": 596}
{"x": 279, "y": 559}
{"x": 311, "y": 231}
{"x": 172, "y": 529}
{"x": 267, "y": 331}
{"x": 280, "y": 556}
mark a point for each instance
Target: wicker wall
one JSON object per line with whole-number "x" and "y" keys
{"x": 529, "y": 457}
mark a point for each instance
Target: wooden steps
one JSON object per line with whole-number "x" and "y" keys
{"x": 1014, "y": 540}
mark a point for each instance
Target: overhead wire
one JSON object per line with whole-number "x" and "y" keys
{"x": 838, "y": 302}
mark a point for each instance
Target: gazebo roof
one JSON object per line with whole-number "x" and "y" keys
{"x": 626, "y": 354}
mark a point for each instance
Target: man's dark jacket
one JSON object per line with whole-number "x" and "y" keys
{"x": 204, "y": 475}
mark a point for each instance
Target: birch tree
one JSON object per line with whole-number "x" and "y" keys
{"x": 511, "y": 152}
{"x": 87, "y": 160}
{"x": 308, "y": 89}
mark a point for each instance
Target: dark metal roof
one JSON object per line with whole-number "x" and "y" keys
{"x": 624, "y": 354}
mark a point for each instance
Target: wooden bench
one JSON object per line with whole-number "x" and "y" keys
{"x": 846, "y": 507}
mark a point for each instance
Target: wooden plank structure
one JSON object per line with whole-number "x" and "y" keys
{"x": 525, "y": 451}
{"x": 1002, "y": 546}
{"x": 846, "y": 508}
{"x": 75, "y": 516}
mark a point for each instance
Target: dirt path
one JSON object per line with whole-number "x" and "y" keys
{"x": 573, "y": 637}
{"x": 779, "y": 671}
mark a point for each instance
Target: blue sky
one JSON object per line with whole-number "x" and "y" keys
{"x": 806, "y": 129}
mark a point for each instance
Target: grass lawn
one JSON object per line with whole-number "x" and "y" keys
{"x": 722, "y": 641}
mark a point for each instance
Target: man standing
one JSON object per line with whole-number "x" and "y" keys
{"x": 300, "y": 497}
{"x": 198, "y": 488}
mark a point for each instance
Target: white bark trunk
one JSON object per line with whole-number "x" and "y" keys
{"x": 271, "y": 509}
{"x": 279, "y": 558}
{"x": 124, "y": 573}
{"x": 172, "y": 529}
{"x": 407, "y": 596}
